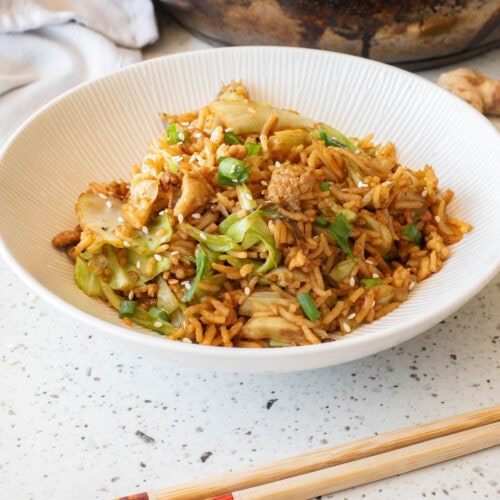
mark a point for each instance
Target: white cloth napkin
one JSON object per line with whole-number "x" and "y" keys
{"x": 49, "y": 46}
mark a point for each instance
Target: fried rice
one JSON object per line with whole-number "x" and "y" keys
{"x": 248, "y": 225}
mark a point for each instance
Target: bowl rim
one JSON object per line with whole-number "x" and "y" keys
{"x": 392, "y": 334}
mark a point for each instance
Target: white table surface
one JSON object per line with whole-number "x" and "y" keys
{"x": 84, "y": 417}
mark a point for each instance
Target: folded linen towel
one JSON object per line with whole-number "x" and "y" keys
{"x": 49, "y": 46}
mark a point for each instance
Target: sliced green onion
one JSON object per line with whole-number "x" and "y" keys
{"x": 232, "y": 172}
{"x": 175, "y": 136}
{"x": 324, "y": 186}
{"x": 245, "y": 197}
{"x": 232, "y": 138}
{"x": 140, "y": 317}
{"x": 340, "y": 230}
{"x": 330, "y": 141}
{"x": 333, "y": 137}
{"x": 127, "y": 308}
{"x": 157, "y": 313}
{"x": 413, "y": 233}
{"x": 252, "y": 148}
{"x": 308, "y": 306}
{"x": 371, "y": 282}
{"x": 201, "y": 265}
{"x": 322, "y": 221}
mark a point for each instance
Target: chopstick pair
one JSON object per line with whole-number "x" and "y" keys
{"x": 343, "y": 466}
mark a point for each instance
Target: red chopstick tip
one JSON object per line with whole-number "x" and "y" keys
{"x": 137, "y": 496}
{"x": 226, "y": 496}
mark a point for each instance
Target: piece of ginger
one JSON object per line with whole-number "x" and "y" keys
{"x": 481, "y": 92}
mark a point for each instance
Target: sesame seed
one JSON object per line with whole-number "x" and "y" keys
{"x": 246, "y": 291}
{"x": 158, "y": 324}
{"x": 126, "y": 243}
{"x": 277, "y": 164}
{"x": 197, "y": 158}
{"x": 214, "y": 134}
{"x": 362, "y": 184}
{"x": 197, "y": 134}
{"x": 351, "y": 316}
{"x": 178, "y": 158}
{"x": 184, "y": 124}
{"x": 228, "y": 129}
{"x": 411, "y": 286}
{"x": 347, "y": 328}
{"x": 375, "y": 275}
{"x": 144, "y": 229}
{"x": 424, "y": 193}
{"x": 352, "y": 281}
{"x": 138, "y": 264}
{"x": 180, "y": 218}
{"x": 109, "y": 204}
{"x": 186, "y": 284}
{"x": 161, "y": 212}
{"x": 131, "y": 295}
{"x": 368, "y": 261}
{"x": 264, "y": 183}
{"x": 437, "y": 219}
{"x": 196, "y": 215}
{"x": 187, "y": 340}
{"x": 157, "y": 257}
{"x": 121, "y": 219}
{"x": 182, "y": 136}
{"x": 103, "y": 196}
{"x": 175, "y": 252}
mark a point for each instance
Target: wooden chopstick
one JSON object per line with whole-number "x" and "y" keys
{"x": 333, "y": 456}
{"x": 366, "y": 470}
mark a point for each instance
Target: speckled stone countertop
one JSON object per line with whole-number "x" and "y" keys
{"x": 84, "y": 417}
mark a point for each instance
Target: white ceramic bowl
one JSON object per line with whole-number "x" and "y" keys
{"x": 98, "y": 130}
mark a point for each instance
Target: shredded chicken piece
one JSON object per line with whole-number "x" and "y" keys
{"x": 143, "y": 191}
{"x": 195, "y": 193}
{"x": 66, "y": 238}
{"x": 169, "y": 179}
{"x": 232, "y": 150}
{"x": 286, "y": 278}
{"x": 297, "y": 260}
{"x": 479, "y": 91}
{"x": 288, "y": 184}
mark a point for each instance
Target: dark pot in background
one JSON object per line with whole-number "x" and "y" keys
{"x": 415, "y": 34}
